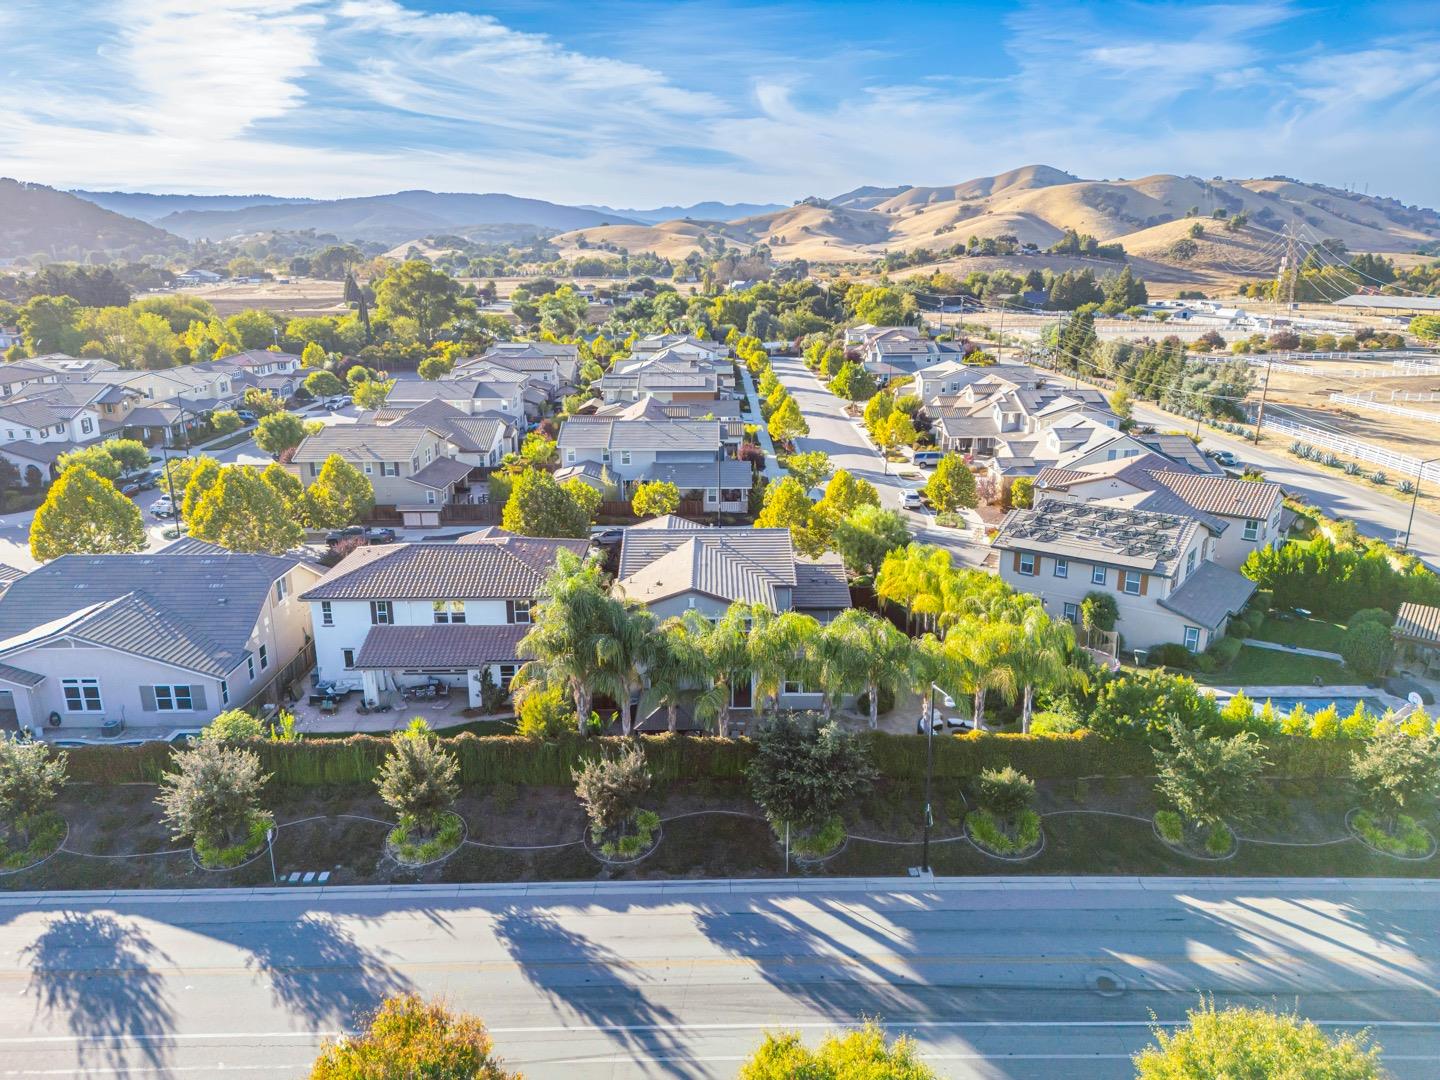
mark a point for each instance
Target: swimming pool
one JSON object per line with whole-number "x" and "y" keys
{"x": 1343, "y": 705}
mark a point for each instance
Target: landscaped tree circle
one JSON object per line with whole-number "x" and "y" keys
{"x": 801, "y": 776}
{"x": 1003, "y": 823}
{"x": 610, "y": 789}
{"x": 213, "y": 799}
{"x": 419, "y": 780}
{"x": 1398, "y": 776}
{"x": 1205, "y": 781}
{"x": 30, "y": 779}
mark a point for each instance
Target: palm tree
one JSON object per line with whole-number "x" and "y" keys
{"x": 676, "y": 665}
{"x": 867, "y": 653}
{"x": 564, "y": 642}
{"x": 975, "y": 649}
{"x": 779, "y": 650}
{"x": 1041, "y": 658}
{"x": 623, "y": 653}
{"x": 725, "y": 648}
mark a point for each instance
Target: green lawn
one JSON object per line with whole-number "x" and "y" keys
{"x": 1266, "y": 667}
{"x": 1305, "y": 633}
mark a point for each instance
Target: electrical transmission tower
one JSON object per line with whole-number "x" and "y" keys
{"x": 1289, "y": 269}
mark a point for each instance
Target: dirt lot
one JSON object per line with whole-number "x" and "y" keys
{"x": 1307, "y": 397}
{"x": 304, "y": 296}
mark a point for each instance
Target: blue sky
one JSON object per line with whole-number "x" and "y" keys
{"x": 634, "y": 103}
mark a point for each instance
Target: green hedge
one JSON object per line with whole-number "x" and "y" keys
{"x": 672, "y": 758}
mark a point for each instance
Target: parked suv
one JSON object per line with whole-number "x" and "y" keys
{"x": 373, "y": 535}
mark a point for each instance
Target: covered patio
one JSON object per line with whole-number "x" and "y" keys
{"x": 398, "y": 664}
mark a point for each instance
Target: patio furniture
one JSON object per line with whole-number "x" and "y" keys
{"x": 329, "y": 705}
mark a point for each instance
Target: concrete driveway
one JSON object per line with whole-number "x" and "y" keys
{"x": 844, "y": 439}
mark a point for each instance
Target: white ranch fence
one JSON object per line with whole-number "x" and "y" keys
{"x": 1367, "y": 401}
{"x": 1405, "y": 465}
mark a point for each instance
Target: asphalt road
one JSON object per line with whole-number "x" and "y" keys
{"x": 840, "y": 436}
{"x": 994, "y": 978}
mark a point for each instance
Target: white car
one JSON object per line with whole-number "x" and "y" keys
{"x": 910, "y": 500}
{"x": 163, "y": 507}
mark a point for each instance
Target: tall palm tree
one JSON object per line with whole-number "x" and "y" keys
{"x": 676, "y": 665}
{"x": 1041, "y": 658}
{"x": 623, "y": 652}
{"x": 975, "y": 649}
{"x": 725, "y": 647}
{"x": 566, "y": 644}
{"x": 780, "y": 647}
{"x": 867, "y": 653}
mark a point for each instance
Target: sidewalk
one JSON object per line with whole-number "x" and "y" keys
{"x": 1275, "y": 646}
{"x": 772, "y": 468}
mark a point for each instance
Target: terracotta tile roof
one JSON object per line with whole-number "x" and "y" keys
{"x": 445, "y": 646}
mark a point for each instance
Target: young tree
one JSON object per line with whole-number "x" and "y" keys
{"x": 787, "y": 423}
{"x": 655, "y": 498}
{"x": 853, "y": 382}
{"x": 1242, "y": 1042}
{"x": 543, "y": 712}
{"x": 843, "y": 494}
{"x": 1397, "y": 772}
{"x": 287, "y": 488}
{"x": 802, "y": 773}
{"x": 435, "y": 367}
{"x": 787, "y": 506}
{"x": 1208, "y": 779}
{"x": 322, "y": 384}
{"x": 1005, "y": 792}
{"x": 610, "y": 789}
{"x": 242, "y": 512}
{"x": 372, "y": 393}
{"x": 810, "y": 469}
{"x": 83, "y": 514}
{"x": 339, "y": 495}
{"x": 1367, "y": 648}
{"x": 408, "y": 1038}
{"x": 233, "y": 725}
{"x": 419, "y": 779}
{"x": 538, "y": 449}
{"x": 866, "y": 536}
{"x": 854, "y": 1054}
{"x": 30, "y": 778}
{"x": 538, "y": 506}
{"x": 877, "y": 411}
{"x": 864, "y": 652}
{"x": 213, "y": 796}
{"x": 896, "y": 431}
{"x": 952, "y": 485}
{"x": 1022, "y": 492}
{"x": 313, "y": 355}
{"x": 279, "y": 432}
{"x": 587, "y": 499}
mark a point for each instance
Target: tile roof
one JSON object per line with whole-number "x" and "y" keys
{"x": 660, "y": 435}
{"x": 747, "y": 564}
{"x": 441, "y": 473}
{"x": 1418, "y": 622}
{"x": 689, "y": 475}
{"x": 440, "y": 647}
{"x": 1223, "y": 495}
{"x": 1210, "y": 594}
{"x": 19, "y": 676}
{"x": 363, "y": 442}
{"x": 504, "y": 567}
{"x": 821, "y": 584}
{"x": 193, "y": 610}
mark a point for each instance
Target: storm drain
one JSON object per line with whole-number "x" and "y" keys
{"x": 1106, "y": 983}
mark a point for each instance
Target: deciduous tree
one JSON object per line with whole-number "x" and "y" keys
{"x": 407, "y": 1039}
{"x": 339, "y": 495}
{"x": 952, "y": 485}
{"x": 84, "y": 515}
{"x": 279, "y": 432}
{"x": 242, "y": 512}
{"x": 655, "y": 498}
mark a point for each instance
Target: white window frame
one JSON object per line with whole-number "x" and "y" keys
{"x": 87, "y": 698}
{"x": 430, "y": 496}
{"x": 507, "y": 677}
{"x": 1062, "y": 568}
{"x": 1252, "y": 528}
{"x": 1126, "y": 579}
{"x": 1070, "y": 613}
{"x": 624, "y": 457}
{"x": 369, "y": 468}
{"x": 522, "y": 612}
{"x": 1020, "y": 566}
{"x": 1099, "y": 575}
{"x": 327, "y": 613}
{"x": 173, "y": 698}
{"x": 1192, "y": 638}
{"x": 379, "y": 608}
{"x": 447, "y": 611}
{"x": 282, "y": 589}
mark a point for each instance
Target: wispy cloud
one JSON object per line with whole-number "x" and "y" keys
{"x": 335, "y": 97}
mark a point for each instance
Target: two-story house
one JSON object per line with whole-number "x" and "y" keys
{"x": 479, "y": 441}
{"x": 47, "y": 420}
{"x": 551, "y": 364}
{"x": 667, "y": 381}
{"x": 1159, "y": 567}
{"x": 687, "y": 453}
{"x": 413, "y": 469}
{"x": 397, "y": 615}
{"x": 493, "y": 391}
{"x": 1244, "y": 515}
{"x": 672, "y": 566}
{"x": 162, "y": 640}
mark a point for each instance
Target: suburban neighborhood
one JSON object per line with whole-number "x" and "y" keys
{"x": 642, "y": 541}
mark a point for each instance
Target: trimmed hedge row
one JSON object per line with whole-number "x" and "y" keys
{"x": 672, "y": 758}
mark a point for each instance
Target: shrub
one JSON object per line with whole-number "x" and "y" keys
{"x": 545, "y": 712}
{"x": 1406, "y": 487}
{"x": 233, "y": 725}
{"x": 1368, "y": 648}
{"x": 1006, "y": 792}
{"x": 1244, "y": 1042}
{"x": 886, "y": 698}
{"x": 418, "y": 780}
{"x": 991, "y": 833}
{"x": 412, "y": 848}
{"x": 859, "y": 1053}
{"x": 818, "y": 843}
{"x": 1219, "y": 839}
{"x": 29, "y": 781}
{"x": 213, "y": 796}
{"x": 610, "y": 789}
{"x": 1379, "y": 477}
{"x": 1053, "y": 723}
{"x": 1171, "y": 655}
{"x": 1170, "y": 825}
{"x": 1372, "y": 614}
{"x": 1209, "y": 778}
{"x": 410, "y": 1038}
{"x": 1396, "y": 771}
{"x": 1402, "y": 836}
{"x": 1099, "y": 611}
{"x": 802, "y": 773}
{"x": 1144, "y": 702}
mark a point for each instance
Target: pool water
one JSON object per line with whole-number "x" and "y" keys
{"x": 1343, "y": 705}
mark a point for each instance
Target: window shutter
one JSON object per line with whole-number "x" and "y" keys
{"x": 147, "y": 698}
{"x": 1017, "y": 561}
{"x": 1144, "y": 584}
{"x": 197, "y": 697}
{"x": 509, "y": 611}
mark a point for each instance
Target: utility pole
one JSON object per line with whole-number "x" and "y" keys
{"x": 1289, "y": 270}
{"x": 1264, "y": 392}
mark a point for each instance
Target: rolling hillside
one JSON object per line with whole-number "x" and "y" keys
{"x": 149, "y": 207}
{"x": 389, "y": 219}
{"x": 38, "y": 221}
{"x": 1037, "y": 204}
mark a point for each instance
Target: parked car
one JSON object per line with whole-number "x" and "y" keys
{"x": 128, "y": 487}
{"x": 911, "y": 499}
{"x": 606, "y": 535}
{"x": 1225, "y": 459}
{"x": 372, "y": 535}
{"x": 163, "y": 507}
{"x": 336, "y": 401}
{"x": 928, "y": 459}
{"x": 245, "y": 415}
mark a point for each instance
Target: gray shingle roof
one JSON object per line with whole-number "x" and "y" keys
{"x": 19, "y": 676}
{"x": 505, "y": 567}
{"x": 363, "y": 442}
{"x": 1210, "y": 594}
{"x": 591, "y": 432}
{"x": 439, "y": 647}
{"x": 820, "y": 584}
{"x": 196, "y": 611}
{"x": 1222, "y": 494}
{"x": 441, "y": 473}
{"x": 690, "y": 475}
{"x": 728, "y": 563}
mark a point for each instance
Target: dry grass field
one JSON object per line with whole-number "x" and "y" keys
{"x": 300, "y": 297}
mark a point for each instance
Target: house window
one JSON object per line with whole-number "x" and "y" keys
{"x": 1131, "y": 582}
{"x": 264, "y": 657}
{"x": 315, "y": 469}
{"x": 624, "y": 457}
{"x": 569, "y": 457}
{"x": 1190, "y": 562}
{"x": 390, "y": 468}
{"x": 250, "y": 667}
{"x": 794, "y": 686}
{"x": 82, "y": 695}
{"x": 380, "y": 614}
{"x": 1072, "y": 613}
{"x": 520, "y": 611}
{"x": 1098, "y": 575}
{"x": 430, "y": 497}
{"x": 1026, "y": 565}
{"x": 86, "y": 425}
{"x": 173, "y": 698}
{"x": 347, "y": 657}
{"x": 282, "y": 589}
{"x": 1252, "y": 529}
{"x": 369, "y": 468}
{"x": 1062, "y": 567}
{"x": 507, "y": 675}
{"x": 327, "y": 613}
{"x": 1192, "y": 638}
{"x": 449, "y": 611}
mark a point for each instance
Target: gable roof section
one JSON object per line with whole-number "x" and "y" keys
{"x": 503, "y": 567}
{"x": 1224, "y": 495}
{"x": 1210, "y": 594}
{"x": 363, "y": 442}
{"x": 1418, "y": 622}
{"x": 726, "y": 563}
{"x": 659, "y": 435}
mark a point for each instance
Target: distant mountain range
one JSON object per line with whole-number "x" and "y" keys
{"x": 703, "y": 211}
{"x": 151, "y": 208}
{"x": 40, "y": 222}
{"x": 387, "y": 219}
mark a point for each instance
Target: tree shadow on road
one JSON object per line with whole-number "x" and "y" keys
{"x": 98, "y": 974}
{"x": 598, "y": 985}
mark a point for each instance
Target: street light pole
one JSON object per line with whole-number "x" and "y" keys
{"x": 1415, "y": 498}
